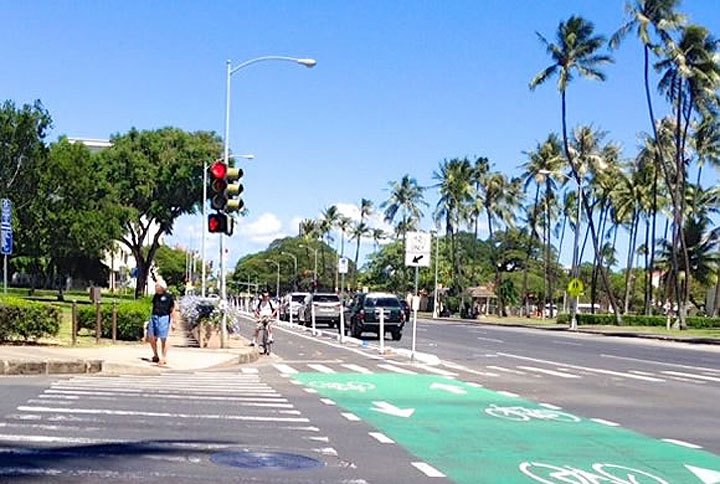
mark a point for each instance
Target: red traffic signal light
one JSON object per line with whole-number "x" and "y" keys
{"x": 217, "y": 223}
{"x": 218, "y": 170}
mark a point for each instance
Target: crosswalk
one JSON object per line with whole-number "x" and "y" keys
{"x": 152, "y": 428}
{"x": 538, "y": 369}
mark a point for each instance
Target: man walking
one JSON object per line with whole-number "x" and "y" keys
{"x": 162, "y": 318}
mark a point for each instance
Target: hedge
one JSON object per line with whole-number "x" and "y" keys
{"x": 131, "y": 319}
{"x": 693, "y": 322}
{"x": 27, "y": 320}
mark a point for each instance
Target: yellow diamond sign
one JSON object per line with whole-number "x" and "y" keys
{"x": 575, "y": 287}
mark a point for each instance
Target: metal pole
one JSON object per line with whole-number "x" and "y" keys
{"x": 5, "y": 274}
{"x": 316, "y": 279}
{"x": 226, "y": 153}
{"x": 576, "y": 255}
{"x": 277, "y": 283}
{"x": 204, "y": 227}
{"x": 74, "y": 323}
{"x": 382, "y": 331}
{"x": 437, "y": 256}
{"x": 312, "y": 315}
{"x": 414, "y": 328}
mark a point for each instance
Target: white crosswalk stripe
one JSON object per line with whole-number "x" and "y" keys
{"x": 397, "y": 369}
{"x": 356, "y": 368}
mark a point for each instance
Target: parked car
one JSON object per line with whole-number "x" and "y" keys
{"x": 327, "y": 309}
{"x": 365, "y": 312}
{"x": 292, "y": 302}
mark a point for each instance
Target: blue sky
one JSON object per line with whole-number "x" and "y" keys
{"x": 399, "y": 86}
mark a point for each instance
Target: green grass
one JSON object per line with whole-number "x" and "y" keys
{"x": 704, "y": 333}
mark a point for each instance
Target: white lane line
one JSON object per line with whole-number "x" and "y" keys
{"x": 690, "y": 375}
{"x": 663, "y": 363}
{"x": 382, "y": 438}
{"x": 249, "y": 371}
{"x": 644, "y": 373}
{"x": 351, "y": 417}
{"x": 465, "y": 369}
{"x": 550, "y": 406}
{"x": 61, "y": 428}
{"x": 322, "y": 368}
{"x": 473, "y": 384}
{"x": 334, "y": 345}
{"x": 508, "y": 394}
{"x": 571, "y": 343}
{"x": 287, "y": 369}
{"x": 437, "y": 371}
{"x": 295, "y": 382}
{"x": 506, "y": 370}
{"x": 605, "y": 422}
{"x": 318, "y": 439}
{"x": 183, "y": 388}
{"x": 47, "y": 439}
{"x": 549, "y": 372}
{"x": 357, "y": 368}
{"x": 682, "y": 443}
{"x": 134, "y": 413}
{"x": 64, "y": 397}
{"x": 192, "y": 391}
{"x": 397, "y": 369}
{"x": 310, "y": 390}
{"x": 687, "y": 380}
{"x": 494, "y": 340}
{"x": 52, "y": 402}
{"x": 327, "y": 401}
{"x": 427, "y": 469}
{"x": 577, "y": 367}
{"x": 75, "y": 394}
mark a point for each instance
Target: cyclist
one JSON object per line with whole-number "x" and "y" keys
{"x": 264, "y": 310}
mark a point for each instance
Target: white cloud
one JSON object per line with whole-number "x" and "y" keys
{"x": 264, "y": 229}
{"x": 294, "y": 227}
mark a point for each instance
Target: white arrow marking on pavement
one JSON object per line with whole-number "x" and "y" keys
{"x": 390, "y": 409}
{"x": 448, "y": 388}
{"x": 707, "y": 476}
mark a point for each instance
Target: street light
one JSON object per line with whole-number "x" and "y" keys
{"x": 576, "y": 249}
{"x": 204, "y": 216}
{"x": 277, "y": 286}
{"x": 295, "y": 260}
{"x": 437, "y": 255}
{"x": 316, "y": 253}
{"x": 230, "y": 70}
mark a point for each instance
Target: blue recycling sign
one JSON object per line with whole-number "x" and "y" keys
{"x": 6, "y": 234}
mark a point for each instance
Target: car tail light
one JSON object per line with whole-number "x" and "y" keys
{"x": 361, "y": 315}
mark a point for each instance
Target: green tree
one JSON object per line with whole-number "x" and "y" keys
{"x": 576, "y": 52}
{"x": 156, "y": 177}
{"x": 171, "y": 265}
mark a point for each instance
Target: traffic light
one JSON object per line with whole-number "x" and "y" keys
{"x": 223, "y": 190}
{"x": 217, "y": 223}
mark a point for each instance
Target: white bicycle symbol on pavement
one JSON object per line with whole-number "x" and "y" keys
{"x": 600, "y": 474}
{"x": 343, "y": 386}
{"x": 522, "y": 414}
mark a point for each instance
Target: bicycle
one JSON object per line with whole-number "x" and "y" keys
{"x": 265, "y": 340}
{"x": 522, "y": 414}
{"x": 600, "y": 474}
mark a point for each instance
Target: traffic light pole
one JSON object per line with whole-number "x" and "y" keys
{"x": 204, "y": 228}
{"x": 226, "y": 155}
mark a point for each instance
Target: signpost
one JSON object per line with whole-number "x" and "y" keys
{"x": 343, "y": 264}
{"x": 6, "y": 236}
{"x": 417, "y": 254}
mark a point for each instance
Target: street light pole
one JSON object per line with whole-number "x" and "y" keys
{"x": 230, "y": 70}
{"x": 437, "y": 255}
{"x": 316, "y": 258}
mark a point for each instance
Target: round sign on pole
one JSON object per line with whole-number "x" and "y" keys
{"x": 575, "y": 287}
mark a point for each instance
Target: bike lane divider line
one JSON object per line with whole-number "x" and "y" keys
{"x": 356, "y": 368}
{"x": 485, "y": 436}
{"x": 350, "y": 416}
{"x": 427, "y": 469}
{"x": 437, "y": 371}
{"x": 605, "y": 422}
{"x": 550, "y": 406}
{"x": 505, "y": 370}
{"x": 682, "y": 443}
{"x": 380, "y": 437}
{"x": 327, "y": 401}
{"x": 397, "y": 369}
{"x": 321, "y": 368}
{"x": 508, "y": 394}
{"x": 286, "y": 369}
{"x": 310, "y": 390}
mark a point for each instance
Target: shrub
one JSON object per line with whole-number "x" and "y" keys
{"x": 637, "y": 320}
{"x": 131, "y": 319}
{"x": 26, "y": 320}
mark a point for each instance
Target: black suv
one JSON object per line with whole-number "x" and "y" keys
{"x": 365, "y": 314}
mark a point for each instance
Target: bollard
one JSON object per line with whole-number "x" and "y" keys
{"x": 74, "y": 325}
{"x": 382, "y": 331}
{"x": 98, "y": 323}
{"x": 114, "y": 323}
{"x": 312, "y": 315}
{"x": 341, "y": 337}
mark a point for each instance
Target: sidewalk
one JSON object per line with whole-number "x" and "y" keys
{"x": 620, "y": 331}
{"x": 183, "y": 355}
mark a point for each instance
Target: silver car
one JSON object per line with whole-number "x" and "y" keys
{"x": 327, "y": 309}
{"x": 293, "y": 302}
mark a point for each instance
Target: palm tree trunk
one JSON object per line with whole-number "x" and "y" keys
{"x": 596, "y": 263}
{"x": 531, "y": 234}
{"x": 548, "y": 221}
{"x": 678, "y": 235}
{"x": 631, "y": 253}
{"x": 647, "y": 291}
{"x": 498, "y": 277}
{"x": 658, "y": 161}
{"x": 357, "y": 256}
{"x": 591, "y": 223}
{"x": 562, "y": 238}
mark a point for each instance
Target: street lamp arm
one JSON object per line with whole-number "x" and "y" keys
{"x": 305, "y": 62}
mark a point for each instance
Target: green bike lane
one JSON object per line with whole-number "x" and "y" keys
{"x": 476, "y": 435}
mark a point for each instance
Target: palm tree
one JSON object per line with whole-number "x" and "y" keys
{"x": 378, "y": 235}
{"x": 406, "y": 199}
{"x": 326, "y": 224}
{"x": 576, "y": 51}
{"x": 454, "y": 179}
{"x": 358, "y": 232}
{"x": 344, "y": 224}
{"x": 707, "y": 145}
{"x": 544, "y": 167}
{"x": 662, "y": 17}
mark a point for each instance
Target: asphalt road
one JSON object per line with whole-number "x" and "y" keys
{"x": 353, "y": 416}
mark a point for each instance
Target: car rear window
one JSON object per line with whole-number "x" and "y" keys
{"x": 322, "y": 298}
{"x": 382, "y": 302}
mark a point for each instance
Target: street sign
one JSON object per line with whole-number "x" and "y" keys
{"x": 575, "y": 287}
{"x": 6, "y": 212}
{"x": 417, "y": 249}
{"x": 343, "y": 265}
{"x": 6, "y": 240}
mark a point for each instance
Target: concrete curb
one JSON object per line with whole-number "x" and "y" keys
{"x": 566, "y": 328}
{"x": 49, "y": 367}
